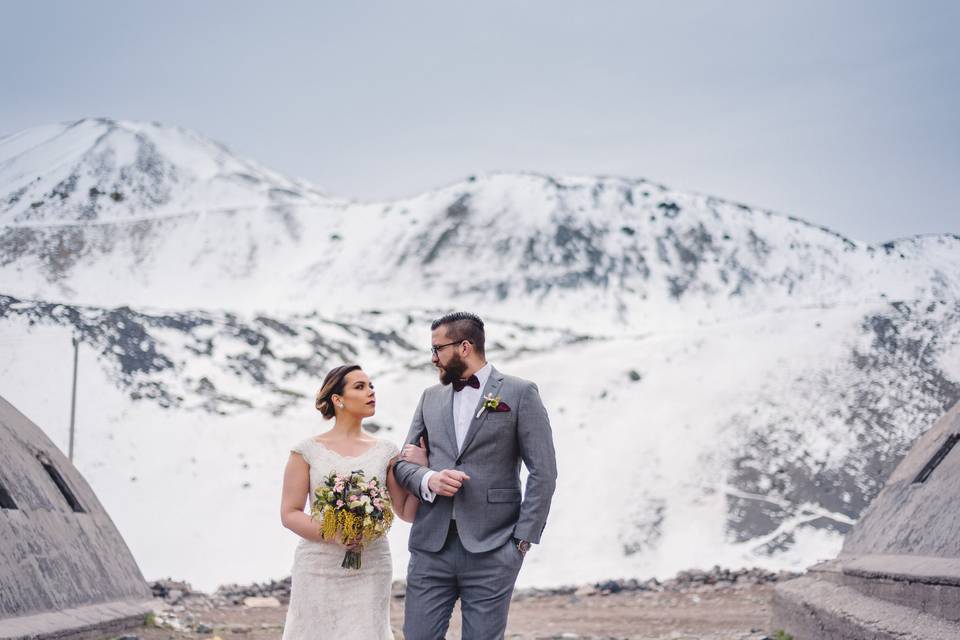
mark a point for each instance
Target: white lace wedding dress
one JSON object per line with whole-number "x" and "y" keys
{"x": 326, "y": 600}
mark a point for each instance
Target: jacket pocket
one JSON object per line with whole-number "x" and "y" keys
{"x": 503, "y": 495}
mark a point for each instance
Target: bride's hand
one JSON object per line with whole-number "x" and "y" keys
{"x": 416, "y": 455}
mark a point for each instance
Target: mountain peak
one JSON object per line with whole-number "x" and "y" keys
{"x": 101, "y": 169}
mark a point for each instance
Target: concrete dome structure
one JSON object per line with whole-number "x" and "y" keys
{"x": 65, "y": 571}
{"x": 898, "y": 574}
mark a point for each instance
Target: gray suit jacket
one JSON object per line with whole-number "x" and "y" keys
{"x": 489, "y": 506}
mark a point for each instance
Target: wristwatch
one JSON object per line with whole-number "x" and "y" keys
{"x": 523, "y": 546}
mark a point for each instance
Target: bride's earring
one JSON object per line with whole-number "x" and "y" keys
{"x": 340, "y": 405}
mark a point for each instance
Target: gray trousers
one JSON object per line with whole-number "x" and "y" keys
{"x": 483, "y": 582}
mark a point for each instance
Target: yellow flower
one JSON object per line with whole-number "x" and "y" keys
{"x": 329, "y": 526}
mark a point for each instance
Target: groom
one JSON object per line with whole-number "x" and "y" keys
{"x": 473, "y": 527}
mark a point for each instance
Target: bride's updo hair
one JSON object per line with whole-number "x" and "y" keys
{"x": 333, "y": 385}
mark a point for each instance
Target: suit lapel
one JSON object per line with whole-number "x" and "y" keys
{"x": 491, "y": 388}
{"x": 446, "y": 415}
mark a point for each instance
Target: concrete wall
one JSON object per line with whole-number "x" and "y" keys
{"x": 51, "y": 557}
{"x": 912, "y": 518}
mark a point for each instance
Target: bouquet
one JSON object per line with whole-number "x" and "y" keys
{"x": 353, "y": 511}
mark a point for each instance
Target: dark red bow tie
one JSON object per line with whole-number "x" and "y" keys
{"x": 472, "y": 381}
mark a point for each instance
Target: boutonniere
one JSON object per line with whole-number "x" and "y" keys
{"x": 494, "y": 403}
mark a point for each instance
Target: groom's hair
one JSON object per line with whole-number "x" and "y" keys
{"x": 462, "y": 325}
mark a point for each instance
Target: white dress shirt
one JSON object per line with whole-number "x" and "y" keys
{"x": 465, "y": 404}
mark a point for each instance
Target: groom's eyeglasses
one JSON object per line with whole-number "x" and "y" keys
{"x": 435, "y": 350}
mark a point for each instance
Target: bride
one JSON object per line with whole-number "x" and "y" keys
{"x": 327, "y": 601}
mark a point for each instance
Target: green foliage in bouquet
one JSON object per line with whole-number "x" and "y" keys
{"x": 353, "y": 511}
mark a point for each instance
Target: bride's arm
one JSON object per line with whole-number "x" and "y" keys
{"x": 296, "y": 489}
{"x": 405, "y": 504}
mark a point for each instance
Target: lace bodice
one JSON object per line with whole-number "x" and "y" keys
{"x": 322, "y": 461}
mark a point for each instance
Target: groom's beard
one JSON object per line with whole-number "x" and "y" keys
{"x": 453, "y": 371}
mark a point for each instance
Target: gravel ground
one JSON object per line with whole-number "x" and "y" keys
{"x": 692, "y": 606}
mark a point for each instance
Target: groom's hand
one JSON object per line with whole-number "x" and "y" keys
{"x": 447, "y": 482}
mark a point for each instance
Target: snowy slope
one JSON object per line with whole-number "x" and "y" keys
{"x": 752, "y": 441}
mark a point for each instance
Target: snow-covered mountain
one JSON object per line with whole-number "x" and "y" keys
{"x": 736, "y": 383}
{"x": 579, "y": 250}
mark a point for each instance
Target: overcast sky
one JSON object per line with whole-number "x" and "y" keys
{"x": 844, "y": 113}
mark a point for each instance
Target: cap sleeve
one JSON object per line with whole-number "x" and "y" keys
{"x": 303, "y": 448}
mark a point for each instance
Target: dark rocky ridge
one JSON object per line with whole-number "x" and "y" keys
{"x": 148, "y": 354}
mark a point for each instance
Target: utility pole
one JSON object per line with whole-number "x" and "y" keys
{"x": 73, "y": 396}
